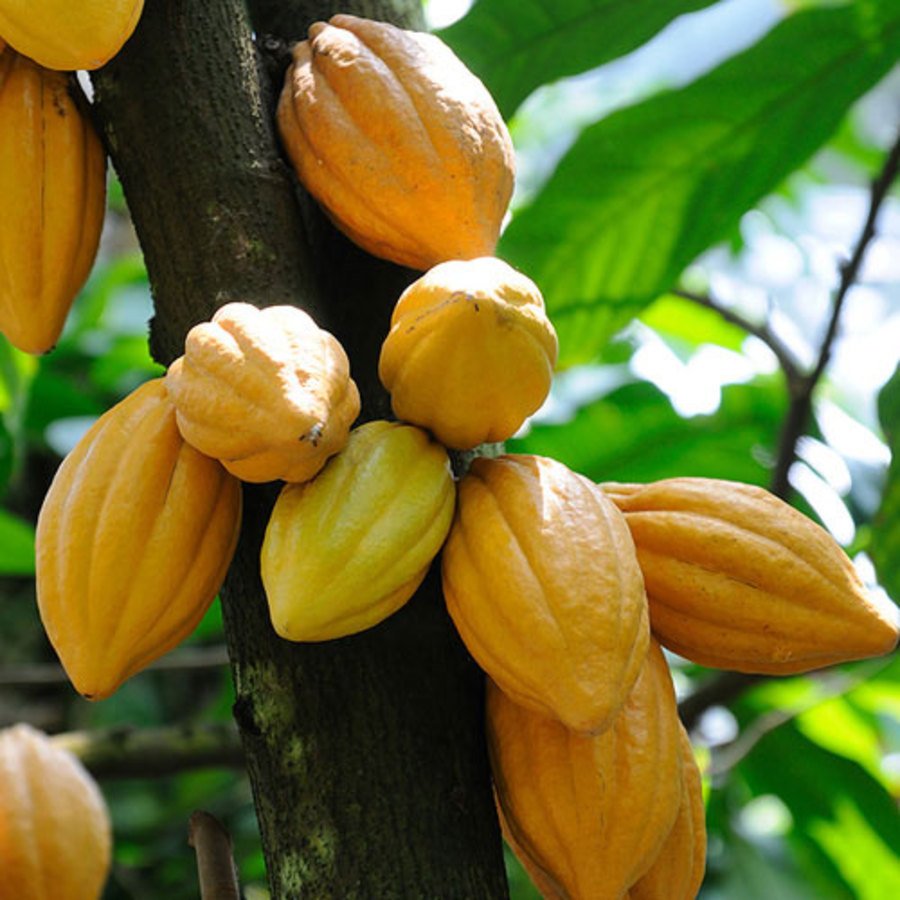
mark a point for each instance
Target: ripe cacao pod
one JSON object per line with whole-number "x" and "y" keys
{"x": 542, "y": 582}
{"x": 53, "y": 185}
{"x": 738, "y": 579}
{"x": 402, "y": 145}
{"x": 55, "y": 836}
{"x": 470, "y": 353}
{"x": 677, "y": 872}
{"x": 133, "y": 541}
{"x": 590, "y": 814}
{"x": 345, "y": 550}
{"x": 60, "y": 34}
{"x": 276, "y": 373}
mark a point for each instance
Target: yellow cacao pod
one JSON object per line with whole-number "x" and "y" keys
{"x": 60, "y": 34}
{"x": 590, "y": 813}
{"x": 55, "y": 836}
{"x": 400, "y": 143}
{"x": 133, "y": 541}
{"x": 276, "y": 373}
{"x": 345, "y": 550}
{"x": 677, "y": 873}
{"x": 471, "y": 352}
{"x": 542, "y": 582}
{"x": 53, "y": 185}
{"x": 738, "y": 579}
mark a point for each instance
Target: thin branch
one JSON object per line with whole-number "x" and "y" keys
{"x": 797, "y": 419}
{"x": 183, "y": 660}
{"x": 720, "y": 690}
{"x": 216, "y": 871}
{"x": 784, "y": 356}
{"x": 125, "y": 752}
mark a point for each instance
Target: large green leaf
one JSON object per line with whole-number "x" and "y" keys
{"x": 644, "y": 191}
{"x": 884, "y": 546}
{"x": 16, "y": 546}
{"x": 845, "y": 823}
{"x": 633, "y": 434}
{"x": 515, "y": 46}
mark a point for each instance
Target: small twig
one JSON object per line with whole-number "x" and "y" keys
{"x": 784, "y": 356}
{"x": 797, "y": 418}
{"x": 720, "y": 690}
{"x": 154, "y": 752}
{"x": 216, "y": 870}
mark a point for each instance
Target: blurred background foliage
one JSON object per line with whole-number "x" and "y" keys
{"x": 694, "y": 177}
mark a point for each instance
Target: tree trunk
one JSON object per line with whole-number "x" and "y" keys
{"x": 366, "y": 754}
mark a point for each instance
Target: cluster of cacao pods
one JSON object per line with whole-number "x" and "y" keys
{"x": 52, "y": 163}
{"x": 563, "y": 590}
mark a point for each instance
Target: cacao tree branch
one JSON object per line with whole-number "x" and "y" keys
{"x": 797, "y": 420}
{"x": 366, "y": 755}
{"x": 125, "y": 752}
{"x": 215, "y": 861}
{"x": 719, "y": 690}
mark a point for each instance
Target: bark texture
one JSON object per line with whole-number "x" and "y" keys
{"x": 366, "y": 754}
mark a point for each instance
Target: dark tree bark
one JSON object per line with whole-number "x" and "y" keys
{"x": 366, "y": 754}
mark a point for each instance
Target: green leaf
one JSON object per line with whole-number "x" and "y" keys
{"x": 644, "y": 191}
{"x": 633, "y": 434}
{"x": 691, "y": 323}
{"x": 515, "y": 46}
{"x": 884, "y": 544}
{"x": 16, "y": 545}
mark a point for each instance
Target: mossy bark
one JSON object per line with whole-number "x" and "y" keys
{"x": 366, "y": 755}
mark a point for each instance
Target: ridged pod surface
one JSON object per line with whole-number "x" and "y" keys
{"x": 276, "y": 373}
{"x": 60, "y": 34}
{"x": 400, "y": 143}
{"x": 677, "y": 872}
{"x": 133, "y": 541}
{"x": 738, "y": 579}
{"x": 345, "y": 550}
{"x": 53, "y": 186}
{"x": 589, "y": 814}
{"x": 541, "y": 579}
{"x": 55, "y": 836}
{"x": 470, "y": 353}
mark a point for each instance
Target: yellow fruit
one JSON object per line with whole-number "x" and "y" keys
{"x": 60, "y": 34}
{"x": 737, "y": 579}
{"x": 590, "y": 814}
{"x": 133, "y": 541}
{"x": 344, "y": 551}
{"x": 55, "y": 838}
{"x": 276, "y": 373}
{"x": 542, "y": 582}
{"x": 470, "y": 353}
{"x": 677, "y": 872}
{"x": 399, "y": 142}
{"x": 53, "y": 190}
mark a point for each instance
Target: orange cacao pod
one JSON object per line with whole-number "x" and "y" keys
{"x": 274, "y": 371}
{"x": 590, "y": 814}
{"x": 53, "y": 185}
{"x": 542, "y": 582}
{"x": 55, "y": 838}
{"x": 60, "y": 34}
{"x": 133, "y": 542}
{"x": 346, "y": 550}
{"x": 400, "y": 143}
{"x": 738, "y": 579}
{"x": 677, "y": 873}
{"x": 470, "y": 353}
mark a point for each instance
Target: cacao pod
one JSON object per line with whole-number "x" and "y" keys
{"x": 60, "y": 34}
{"x": 590, "y": 814}
{"x": 542, "y": 582}
{"x": 53, "y": 185}
{"x": 677, "y": 872}
{"x": 345, "y": 550}
{"x": 402, "y": 145}
{"x": 274, "y": 371}
{"x": 55, "y": 836}
{"x": 470, "y": 353}
{"x": 133, "y": 541}
{"x": 738, "y": 579}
